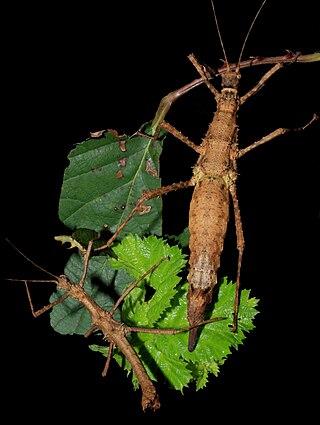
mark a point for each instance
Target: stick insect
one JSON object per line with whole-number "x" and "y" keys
{"x": 214, "y": 180}
{"x": 113, "y": 331}
{"x": 214, "y": 177}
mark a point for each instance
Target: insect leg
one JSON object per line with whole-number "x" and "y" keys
{"x": 240, "y": 247}
{"x": 178, "y": 135}
{"x": 261, "y": 83}
{"x": 155, "y": 193}
{"x": 273, "y": 135}
{"x": 204, "y": 77}
{"x": 42, "y": 310}
{"x": 134, "y": 284}
{"x": 167, "y": 101}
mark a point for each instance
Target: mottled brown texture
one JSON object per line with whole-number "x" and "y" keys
{"x": 214, "y": 178}
{"x": 114, "y": 332}
{"x": 213, "y": 175}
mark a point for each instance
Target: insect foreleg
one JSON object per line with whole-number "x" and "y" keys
{"x": 203, "y": 75}
{"x": 261, "y": 83}
{"x": 273, "y": 135}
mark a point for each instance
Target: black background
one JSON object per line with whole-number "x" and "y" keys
{"x": 67, "y": 71}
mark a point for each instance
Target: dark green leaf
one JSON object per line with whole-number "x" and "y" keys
{"x": 70, "y": 317}
{"x": 105, "y": 179}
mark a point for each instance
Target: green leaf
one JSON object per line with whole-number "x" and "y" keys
{"x": 136, "y": 256}
{"x": 183, "y": 239}
{"x": 105, "y": 179}
{"x": 170, "y": 352}
{"x": 71, "y": 317}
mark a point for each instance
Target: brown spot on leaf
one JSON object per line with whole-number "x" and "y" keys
{"x": 150, "y": 169}
{"x": 122, "y": 162}
{"x": 97, "y": 133}
{"x": 122, "y": 144}
{"x": 114, "y": 132}
{"x": 119, "y": 174}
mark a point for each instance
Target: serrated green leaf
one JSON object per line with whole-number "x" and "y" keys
{"x": 165, "y": 307}
{"x": 105, "y": 179}
{"x": 137, "y": 255}
{"x": 170, "y": 352}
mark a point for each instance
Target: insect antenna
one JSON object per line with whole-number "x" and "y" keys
{"x": 219, "y": 33}
{"x": 248, "y": 33}
{"x": 30, "y": 261}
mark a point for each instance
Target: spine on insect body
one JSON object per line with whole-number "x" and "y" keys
{"x": 213, "y": 175}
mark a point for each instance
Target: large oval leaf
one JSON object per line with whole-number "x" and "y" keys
{"x": 105, "y": 179}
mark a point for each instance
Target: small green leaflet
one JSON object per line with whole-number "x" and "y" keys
{"x": 160, "y": 302}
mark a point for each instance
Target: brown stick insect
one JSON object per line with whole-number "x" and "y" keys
{"x": 214, "y": 177}
{"x": 113, "y": 331}
{"x": 214, "y": 182}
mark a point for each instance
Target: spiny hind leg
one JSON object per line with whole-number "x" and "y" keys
{"x": 240, "y": 247}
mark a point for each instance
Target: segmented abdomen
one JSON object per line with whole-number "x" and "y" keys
{"x": 208, "y": 219}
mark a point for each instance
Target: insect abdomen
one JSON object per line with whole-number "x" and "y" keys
{"x": 208, "y": 219}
